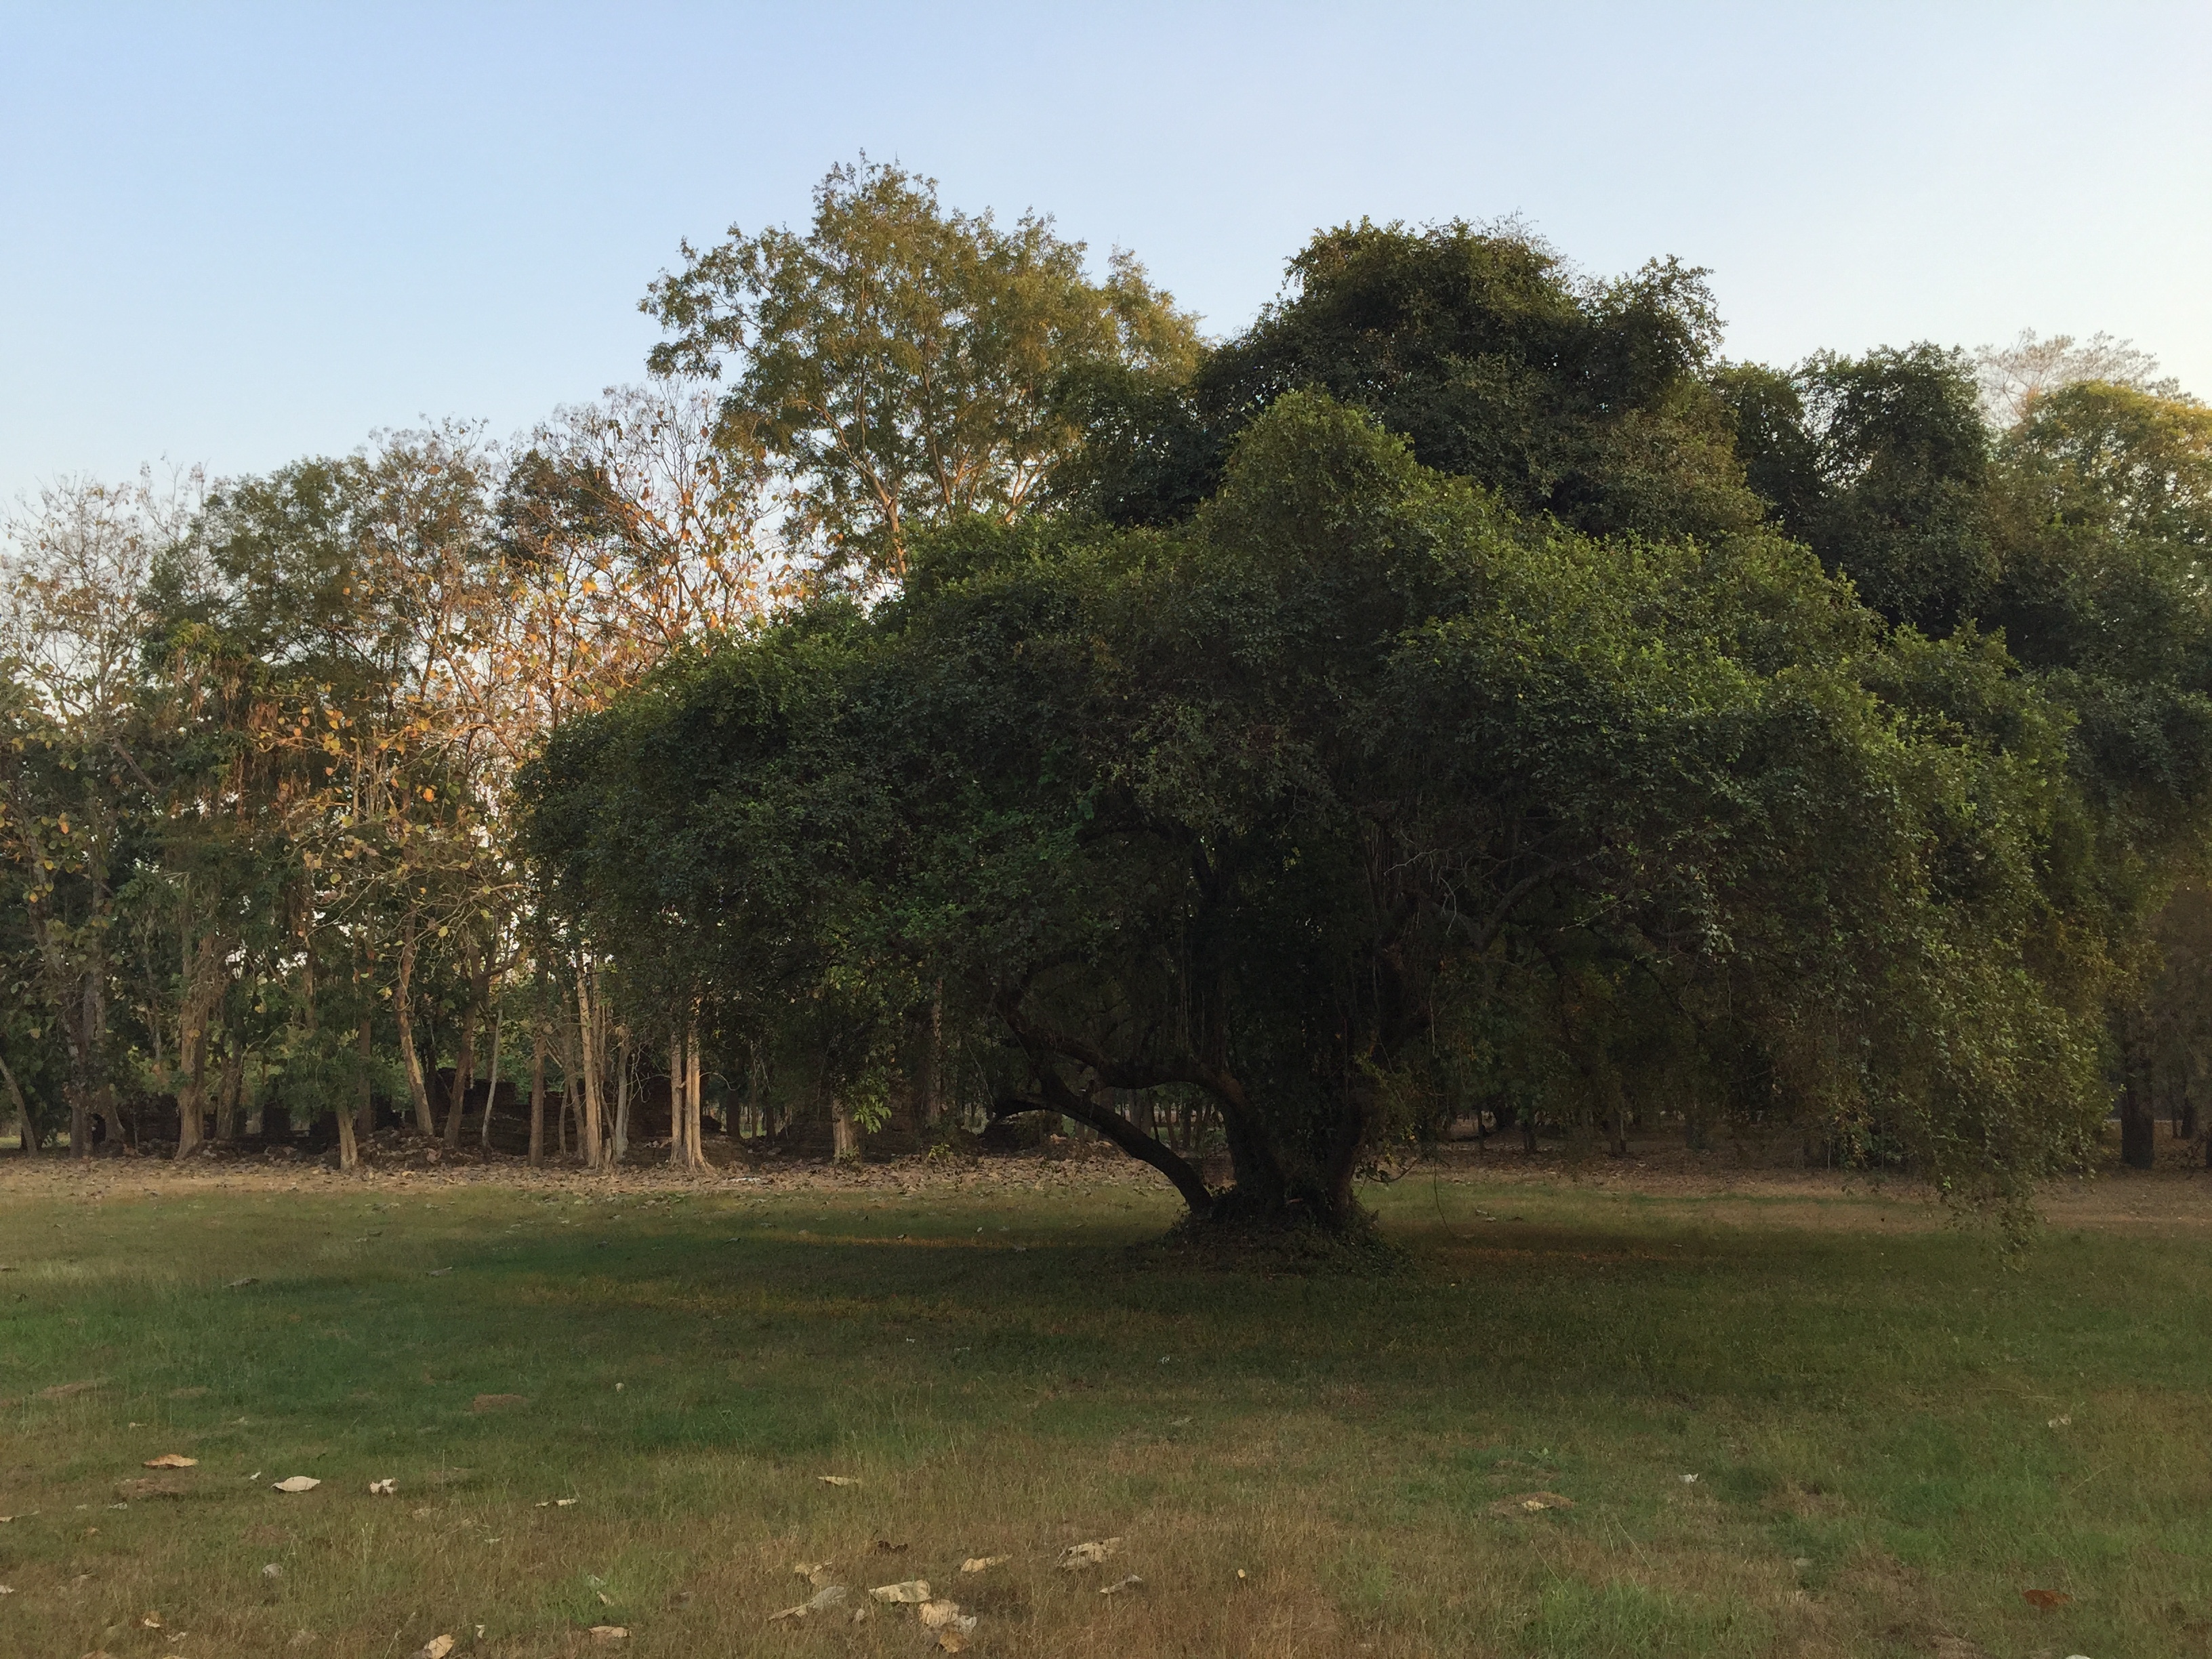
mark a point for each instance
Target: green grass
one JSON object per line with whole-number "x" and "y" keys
{"x": 1865, "y": 1399}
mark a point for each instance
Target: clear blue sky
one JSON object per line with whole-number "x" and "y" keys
{"x": 237, "y": 234}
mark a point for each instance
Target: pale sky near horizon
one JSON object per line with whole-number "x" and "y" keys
{"x": 237, "y": 234}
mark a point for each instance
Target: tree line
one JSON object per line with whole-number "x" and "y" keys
{"x": 953, "y": 686}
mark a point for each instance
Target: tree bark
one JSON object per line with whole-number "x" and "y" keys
{"x": 932, "y": 1098}
{"x": 418, "y": 1092}
{"x": 491, "y": 1089}
{"x": 2138, "y": 1125}
{"x": 365, "y": 1106}
{"x": 693, "y": 1147}
{"x": 538, "y": 1091}
{"x": 203, "y": 983}
{"x": 588, "y": 1121}
{"x": 464, "y": 1060}
{"x": 678, "y": 1074}
{"x": 621, "y": 1096}
{"x": 349, "y": 1147}
{"x": 226, "y": 1087}
{"x": 30, "y": 1134}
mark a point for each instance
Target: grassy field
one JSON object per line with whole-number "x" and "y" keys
{"x": 1792, "y": 1418}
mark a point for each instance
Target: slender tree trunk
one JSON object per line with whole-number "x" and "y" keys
{"x": 491, "y": 1090}
{"x": 622, "y": 1094}
{"x": 538, "y": 1089}
{"x": 88, "y": 1040}
{"x": 365, "y": 1105}
{"x": 932, "y": 1099}
{"x": 418, "y": 1092}
{"x": 589, "y": 1123}
{"x": 844, "y": 1135}
{"x": 465, "y": 1067}
{"x": 695, "y": 1149}
{"x": 348, "y": 1146}
{"x": 678, "y": 1071}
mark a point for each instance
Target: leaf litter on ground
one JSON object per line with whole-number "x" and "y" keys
{"x": 828, "y": 1599}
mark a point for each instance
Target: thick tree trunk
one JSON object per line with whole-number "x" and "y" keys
{"x": 349, "y": 1147}
{"x": 418, "y": 1091}
{"x": 30, "y": 1134}
{"x": 191, "y": 1090}
{"x": 2138, "y": 1124}
{"x": 205, "y": 978}
{"x": 226, "y": 1087}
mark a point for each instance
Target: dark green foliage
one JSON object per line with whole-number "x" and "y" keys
{"x": 1358, "y": 801}
{"x": 1880, "y": 464}
{"x": 1577, "y": 398}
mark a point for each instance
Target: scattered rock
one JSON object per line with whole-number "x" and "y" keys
{"x": 298, "y": 1483}
{"x": 914, "y": 1590}
{"x": 436, "y": 1648}
{"x": 172, "y": 1460}
{"x": 984, "y": 1563}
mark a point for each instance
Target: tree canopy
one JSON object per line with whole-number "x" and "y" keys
{"x": 954, "y": 690}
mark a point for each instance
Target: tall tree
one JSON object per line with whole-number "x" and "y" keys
{"x": 901, "y": 366}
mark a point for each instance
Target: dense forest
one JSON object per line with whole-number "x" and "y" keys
{"x": 953, "y": 692}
